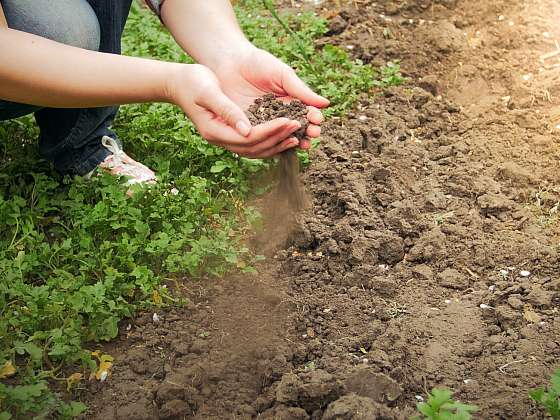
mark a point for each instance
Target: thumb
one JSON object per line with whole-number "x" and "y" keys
{"x": 296, "y": 88}
{"x": 219, "y": 104}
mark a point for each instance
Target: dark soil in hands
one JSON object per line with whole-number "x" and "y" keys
{"x": 266, "y": 109}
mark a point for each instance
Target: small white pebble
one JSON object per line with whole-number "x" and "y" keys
{"x": 419, "y": 397}
{"x": 365, "y": 361}
{"x": 448, "y": 301}
{"x": 174, "y": 191}
{"x": 327, "y": 310}
{"x": 155, "y": 317}
{"x": 349, "y": 47}
{"x": 491, "y": 288}
{"x": 504, "y": 272}
{"x": 501, "y": 17}
{"x": 467, "y": 381}
{"x": 526, "y": 77}
{"x": 524, "y": 273}
{"x": 103, "y": 375}
{"x": 546, "y": 34}
{"x": 485, "y": 306}
{"x": 362, "y": 118}
{"x": 510, "y": 23}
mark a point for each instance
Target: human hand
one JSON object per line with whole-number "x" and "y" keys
{"x": 250, "y": 73}
{"x": 220, "y": 120}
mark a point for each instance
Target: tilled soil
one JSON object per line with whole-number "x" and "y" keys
{"x": 429, "y": 256}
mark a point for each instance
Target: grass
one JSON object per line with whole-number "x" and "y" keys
{"x": 76, "y": 256}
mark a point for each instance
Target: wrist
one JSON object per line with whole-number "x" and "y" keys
{"x": 174, "y": 82}
{"x": 229, "y": 54}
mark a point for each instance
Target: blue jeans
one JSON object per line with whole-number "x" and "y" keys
{"x": 70, "y": 138}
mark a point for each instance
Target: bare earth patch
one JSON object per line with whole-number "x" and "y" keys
{"x": 429, "y": 256}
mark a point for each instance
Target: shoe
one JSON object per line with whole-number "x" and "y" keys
{"x": 118, "y": 163}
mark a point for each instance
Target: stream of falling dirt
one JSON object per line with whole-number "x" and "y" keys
{"x": 289, "y": 186}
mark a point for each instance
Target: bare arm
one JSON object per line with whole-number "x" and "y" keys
{"x": 3, "y": 22}
{"x": 38, "y": 71}
{"x": 206, "y": 30}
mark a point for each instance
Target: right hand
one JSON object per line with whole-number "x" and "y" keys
{"x": 220, "y": 121}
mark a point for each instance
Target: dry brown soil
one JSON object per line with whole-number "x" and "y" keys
{"x": 429, "y": 200}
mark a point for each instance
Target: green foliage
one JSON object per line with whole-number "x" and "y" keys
{"x": 77, "y": 256}
{"x": 549, "y": 399}
{"x": 35, "y": 398}
{"x": 441, "y": 406}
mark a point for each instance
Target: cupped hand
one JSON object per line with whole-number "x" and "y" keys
{"x": 251, "y": 73}
{"x": 221, "y": 121}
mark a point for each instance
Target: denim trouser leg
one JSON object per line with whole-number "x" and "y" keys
{"x": 70, "y": 138}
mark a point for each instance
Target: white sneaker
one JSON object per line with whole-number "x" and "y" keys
{"x": 118, "y": 163}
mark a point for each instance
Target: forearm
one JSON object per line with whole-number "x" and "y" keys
{"x": 3, "y": 22}
{"x": 37, "y": 71}
{"x": 206, "y": 30}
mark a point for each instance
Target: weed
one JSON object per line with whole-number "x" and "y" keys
{"x": 396, "y": 310}
{"x": 549, "y": 399}
{"x": 545, "y": 206}
{"x": 441, "y": 406}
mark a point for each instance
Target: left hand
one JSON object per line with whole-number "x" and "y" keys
{"x": 253, "y": 73}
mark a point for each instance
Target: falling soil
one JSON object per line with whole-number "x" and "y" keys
{"x": 266, "y": 109}
{"x": 429, "y": 256}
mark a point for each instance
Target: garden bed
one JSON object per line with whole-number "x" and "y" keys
{"x": 429, "y": 257}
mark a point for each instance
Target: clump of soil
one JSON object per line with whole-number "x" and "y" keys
{"x": 266, "y": 109}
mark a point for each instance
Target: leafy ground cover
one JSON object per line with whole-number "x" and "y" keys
{"x": 78, "y": 256}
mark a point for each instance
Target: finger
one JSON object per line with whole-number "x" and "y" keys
{"x": 296, "y": 88}
{"x": 313, "y": 131}
{"x": 276, "y": 139}
{"x": 220, "y": 105}
{"x": 217, "y": 132}
{"x": 314, "y": 115}
{"x": 289, "y": 143}
{"x": 271, "y": 129}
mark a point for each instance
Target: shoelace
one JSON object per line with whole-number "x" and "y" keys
{"x": 114, "y": 147}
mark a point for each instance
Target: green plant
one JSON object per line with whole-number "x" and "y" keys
{"x": 441, "y": 406}
{"x": 549, "y": 399}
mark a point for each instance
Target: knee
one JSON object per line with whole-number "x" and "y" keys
{"x": 71, "y": 22}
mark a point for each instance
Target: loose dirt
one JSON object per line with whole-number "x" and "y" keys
{"x": 429, "y": 255}
{"x": 266, "y": 109}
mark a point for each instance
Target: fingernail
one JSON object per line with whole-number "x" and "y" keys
{"x": 243, "y": 128}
